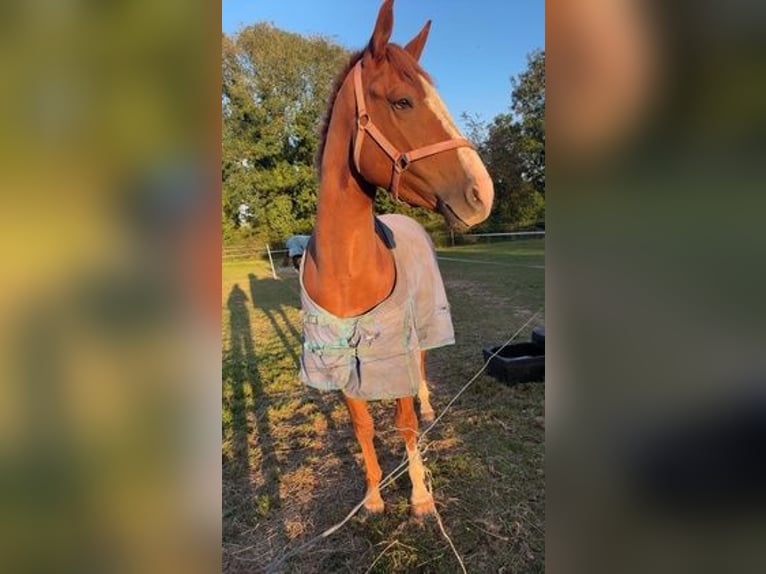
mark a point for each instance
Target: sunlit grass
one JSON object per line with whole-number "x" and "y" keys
{"x": 292, "y": 465}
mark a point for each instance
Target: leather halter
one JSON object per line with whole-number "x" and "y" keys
{"x": 401, "y": 160}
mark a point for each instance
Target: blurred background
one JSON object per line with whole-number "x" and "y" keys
{"x": 656, "y": 410}
{"x": 110, "y": 411}
{"x": 110, "y": 242}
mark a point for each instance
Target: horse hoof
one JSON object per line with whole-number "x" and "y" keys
{"x": 374, "y": 505}
{"x": 424, "y": 508}
{"x": 427, "y": 416}
{"x": 374, "y": 508}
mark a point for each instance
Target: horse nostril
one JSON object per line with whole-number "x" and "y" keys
{"x": 474, "y": 196}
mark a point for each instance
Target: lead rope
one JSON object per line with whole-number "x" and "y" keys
{"x": 402, "y": 468}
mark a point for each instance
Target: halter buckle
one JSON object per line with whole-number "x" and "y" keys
{"x": 402, "y": 162}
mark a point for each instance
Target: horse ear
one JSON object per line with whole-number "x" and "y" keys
{"x": 384, "y": 25}
{"x": 416, "y": 45}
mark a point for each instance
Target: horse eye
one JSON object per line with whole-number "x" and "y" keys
{"x": 402, "y": 104}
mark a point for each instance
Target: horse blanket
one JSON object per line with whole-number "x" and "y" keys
{"x": 377, "y": 355}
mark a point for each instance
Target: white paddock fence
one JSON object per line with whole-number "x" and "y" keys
{"x": 441, "y": 239}
{"x": 447, "y": 239}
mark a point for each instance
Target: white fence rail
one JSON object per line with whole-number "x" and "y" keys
{"x": 249, "y": 251}
{"x": 505, "y": 234}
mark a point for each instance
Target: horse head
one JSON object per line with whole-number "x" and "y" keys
{"x": 405, "y": 140}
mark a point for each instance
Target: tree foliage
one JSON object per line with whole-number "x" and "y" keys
{"x": 512, "y": 146}
{"x": 274, "y": 89}
{"x": 528, "y": 104}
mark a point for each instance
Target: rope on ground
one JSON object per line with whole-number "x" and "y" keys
{"x": 469, "y": 383}
{"x": 479, "y": 372}
{"x": 374, "y": 562}
{"x": 449, "y": 540}
{"x": 388, "y": 479}
{"x": 402, "y": 468}
{"x": 441, "y": 524}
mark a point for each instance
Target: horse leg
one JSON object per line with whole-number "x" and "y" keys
{"x": 365, "y": 432}
{"x": 407, "y": 424}
{"x": 426, "y": 410}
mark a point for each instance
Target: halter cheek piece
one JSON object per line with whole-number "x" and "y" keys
{"x": 401, "y": 160}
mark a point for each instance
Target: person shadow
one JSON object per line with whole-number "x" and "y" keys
{"x": 272, "y": 297}
{"x": 270, "y": 300}
{"x": 245, "y": 406}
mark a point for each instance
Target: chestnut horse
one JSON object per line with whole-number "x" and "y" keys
{"x": 386, "y": 127}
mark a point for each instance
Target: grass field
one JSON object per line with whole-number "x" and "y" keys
{"x": 291, "y": 464}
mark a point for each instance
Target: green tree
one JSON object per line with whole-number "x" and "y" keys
{"x": 512, "y": 146}
{"x": 275, "y": 85}
{"x": 528, "y": 104}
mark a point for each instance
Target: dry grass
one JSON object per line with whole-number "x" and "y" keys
{"x": 292, "y": 467}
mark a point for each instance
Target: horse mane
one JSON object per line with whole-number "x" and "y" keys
{"x": 397, "y": 57}
{"x": 325, "y": 125}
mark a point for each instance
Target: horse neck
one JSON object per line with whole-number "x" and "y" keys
{"x": 345, "y": 238}
{"x": 351, "y": 269}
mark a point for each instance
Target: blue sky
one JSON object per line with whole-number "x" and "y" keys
{"x": 473, "y": 49}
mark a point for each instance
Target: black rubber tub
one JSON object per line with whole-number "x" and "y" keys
{"x": 519, "y": 363}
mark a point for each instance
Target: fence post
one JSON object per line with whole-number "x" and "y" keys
{"x": 271, "y": 261}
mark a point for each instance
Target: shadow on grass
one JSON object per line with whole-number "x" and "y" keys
{"x": 247, "y": 503}
{"x": 486, "y": 454}
{"x": 271, "y": 303}
{"x": 272, "y": 297}
{"x": 306, "y": 446}
{"x": 272, "y": 427}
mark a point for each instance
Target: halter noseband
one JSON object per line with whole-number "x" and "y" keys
{"x": 401, "y": 160}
